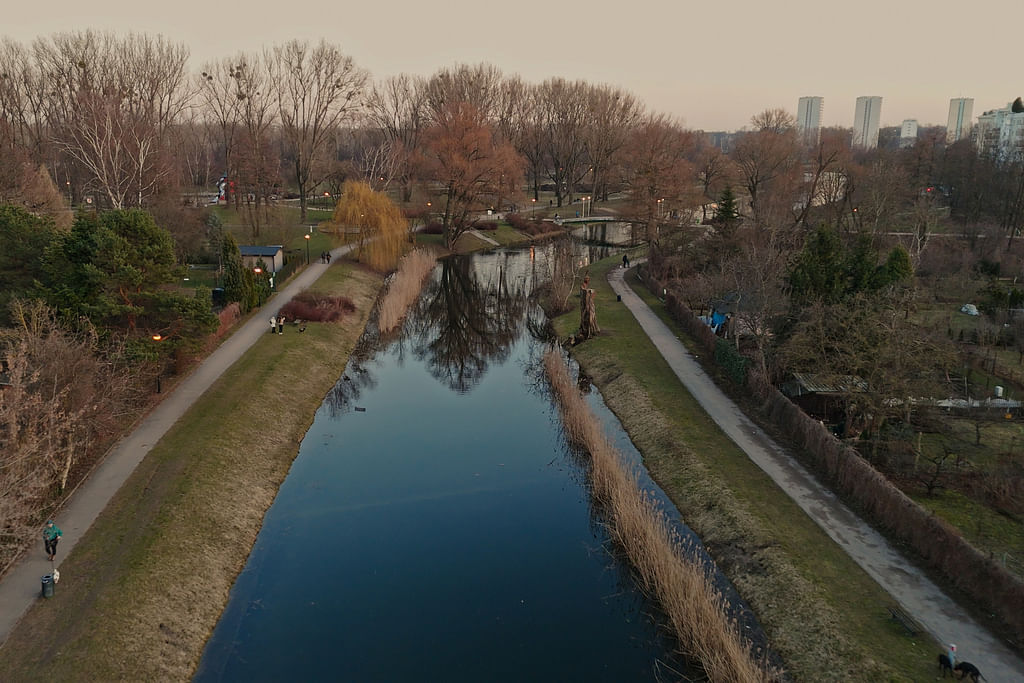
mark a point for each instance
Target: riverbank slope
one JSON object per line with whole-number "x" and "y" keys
{"x": 145, "y": 586}
{"x": 823, "y": 614}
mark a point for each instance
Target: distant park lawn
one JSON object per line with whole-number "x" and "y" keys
{"x": 142, "y": 591}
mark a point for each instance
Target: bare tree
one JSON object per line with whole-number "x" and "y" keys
{"x": 767, "y": 159}
{"x": 397, "y": 107}
{"x": 657, "y": 172}
{"x": 478, "y": 85}
{"x": 316, "y": 87}
{"x": 713, "y": 173}
{"x": 111, "y": 103}
{"x": 464, "y": 156}
{"x": 612, "y": 116}
{"x": 563, "y": 111}
{"x": 220, "y": 100}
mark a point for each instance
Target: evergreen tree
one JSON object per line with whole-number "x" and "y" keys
{"x": 114, "y": 268}
{"x": 727, "y": 214}
{"x": 237, "y": 287}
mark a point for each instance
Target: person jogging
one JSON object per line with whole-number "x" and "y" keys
{"x": 51, "y": 534}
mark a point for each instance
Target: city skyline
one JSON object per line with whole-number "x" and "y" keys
{"x": 680, "y": 61}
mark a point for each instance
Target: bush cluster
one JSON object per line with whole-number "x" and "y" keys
{"x": 433, "y": 228}
{"x": 317, "y": 308}
{"x": 524, "y": 224}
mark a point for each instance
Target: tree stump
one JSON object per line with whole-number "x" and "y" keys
{"x": 588, "y": 313}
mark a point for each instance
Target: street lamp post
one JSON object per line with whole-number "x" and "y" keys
{"x": 158, "y": 338}
{"x": 533, "y": 205}
{"x": 307, "y": 248}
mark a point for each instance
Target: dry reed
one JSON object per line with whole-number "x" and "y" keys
{"x": 404, "y": 288}
{"x": 694, "y": 607}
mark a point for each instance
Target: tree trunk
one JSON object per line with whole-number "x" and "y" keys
{"x": 588, "y": 313}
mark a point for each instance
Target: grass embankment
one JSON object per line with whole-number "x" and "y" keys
{"x": 142, "y": 591}
{"x": 695, "y": 609}
{"x": 822, "y": 613}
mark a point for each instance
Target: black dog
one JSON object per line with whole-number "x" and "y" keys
{"x": 968, "y": 670}
{"x": 945, "y": 666}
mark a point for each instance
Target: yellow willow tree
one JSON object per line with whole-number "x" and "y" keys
{"x": 381, "y": 227}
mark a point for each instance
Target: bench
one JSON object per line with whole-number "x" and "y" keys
{"x": 905, "y": 620}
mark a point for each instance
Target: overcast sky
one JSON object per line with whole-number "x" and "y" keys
{"x": 710, "y": 64}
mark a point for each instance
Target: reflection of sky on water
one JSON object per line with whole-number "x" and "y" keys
{"x": 442, "y": 531}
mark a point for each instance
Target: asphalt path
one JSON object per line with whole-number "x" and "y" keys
{"x": 907, "y": 585}
{"x": 21, "y": 586}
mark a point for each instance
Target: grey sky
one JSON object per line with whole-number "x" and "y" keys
{"x": 711, "y": 64}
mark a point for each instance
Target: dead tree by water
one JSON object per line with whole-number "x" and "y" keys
{"x": 588, "y": 313}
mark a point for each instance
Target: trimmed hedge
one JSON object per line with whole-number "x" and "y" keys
{"x": 940, "y": 544}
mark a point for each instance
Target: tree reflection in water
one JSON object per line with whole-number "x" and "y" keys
{"x": 462, "y": 324}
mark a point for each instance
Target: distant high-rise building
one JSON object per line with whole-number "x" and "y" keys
{"x": 865, "y": 122}
{"x": 958, "y": 125}
{"x": 808, "y": 118}
{"x": 1000, "y": 134}
{"x": 908, "y": 133}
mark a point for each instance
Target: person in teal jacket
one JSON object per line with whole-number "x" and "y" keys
{"x": 51, "y": 534}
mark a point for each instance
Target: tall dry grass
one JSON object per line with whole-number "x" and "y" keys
{"x": 694, "y": 607}
{"x": 404, "y": 288}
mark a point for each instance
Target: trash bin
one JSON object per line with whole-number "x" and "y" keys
{"x": 48, "y": 586}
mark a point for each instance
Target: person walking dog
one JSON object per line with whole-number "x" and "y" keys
{"x": 51, "y": 534}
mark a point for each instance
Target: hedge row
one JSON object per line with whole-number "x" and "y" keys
{"x": 938, "y": 543}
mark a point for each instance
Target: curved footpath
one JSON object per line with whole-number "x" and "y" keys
{"x": 908, "y": 586}
{"x": 21, "y": 586}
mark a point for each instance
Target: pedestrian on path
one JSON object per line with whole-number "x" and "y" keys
{"x": 952, "y": 655}
{"x": 273, "y": 324}
{"x": 51, "y": 534}
{"x": 280, "y": 324}
{"x": 625, "y": 260}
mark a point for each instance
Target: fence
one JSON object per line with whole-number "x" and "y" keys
{"x": 940, "y": 545}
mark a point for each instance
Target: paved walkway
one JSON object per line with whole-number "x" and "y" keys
{"x": 483, "y": 237}
{"x": 21, "y": 585}
{"x": 914, "y": 592}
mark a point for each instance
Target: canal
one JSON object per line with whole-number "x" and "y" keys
{"x": 435, "y": 524}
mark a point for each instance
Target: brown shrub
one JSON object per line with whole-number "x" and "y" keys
{"x": 317, "y": 308}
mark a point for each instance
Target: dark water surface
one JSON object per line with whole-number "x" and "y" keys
{"x": 443, "y": 532}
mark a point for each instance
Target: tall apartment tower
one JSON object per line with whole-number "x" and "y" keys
{"x": 808, "y": 118}
{"x": 958, "y": 125}
{"x": 865, "y": 122}
{"x": 908, "y": 133}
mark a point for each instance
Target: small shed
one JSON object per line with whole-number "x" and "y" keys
{"x": 272, "y": 256}
{"x": 822, "y": 396}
